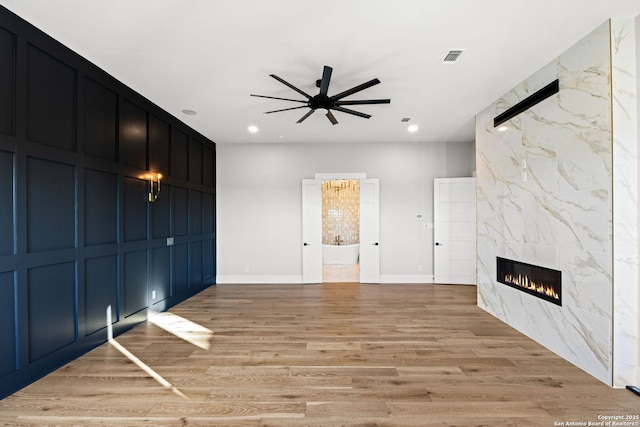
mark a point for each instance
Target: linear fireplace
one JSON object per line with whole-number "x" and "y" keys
{"x": 538, "y": 281}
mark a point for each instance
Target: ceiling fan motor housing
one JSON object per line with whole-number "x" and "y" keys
{"x": 321, "y": 101}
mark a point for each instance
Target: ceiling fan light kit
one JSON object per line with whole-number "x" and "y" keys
{"x": 322, "y": 101}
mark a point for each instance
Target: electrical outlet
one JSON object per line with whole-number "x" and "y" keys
{"x": 246, "y": 268}
{"x": 420, "y": 267}
{"x": 169, "y": 241}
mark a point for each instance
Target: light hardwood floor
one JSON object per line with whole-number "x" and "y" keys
{"x": 348, "y": 273}
{"x": 334, "y": 354}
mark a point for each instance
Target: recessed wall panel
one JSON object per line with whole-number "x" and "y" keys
{"x": 6, "y": 204}
{"x": 209, "y": 259}
{"x": 179, "y": 155}
{"x": 195, "y": 161}
{"x": 195, "y": 212}
{"x": 51, "y": 208}
{"x": 101, "y": 207}
{"x": 180, "y": 268}
{"x": 160, "y": 214}
{"x": 181, "y": 211}
{"x": 160, "y": 273}
{"x": 209, "y": 216}
{"x": 7, "y": 81}
{"x": 133, "y": 135}
{"x": 195, "y": 261}
{"x": 101, "y": 286}
{"x": 51, "y": 100}
{"x": 7, "y": 323}
{"x": 101, "y": 121}
{"x": 159, "y": 145}
{"x": 209, "y": 166}
{"x": 135, "y": 282}
{"x": 52, "y": 313}
{"x": 135, "y": 209}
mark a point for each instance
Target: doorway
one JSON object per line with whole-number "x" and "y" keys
{"x": 341, "y": 230}
{"x": 312, "y": 228}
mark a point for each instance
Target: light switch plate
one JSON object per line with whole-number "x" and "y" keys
{"x": 169, "y": 241}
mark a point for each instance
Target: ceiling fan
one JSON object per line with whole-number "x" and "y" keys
{"x": 323, "y": 101}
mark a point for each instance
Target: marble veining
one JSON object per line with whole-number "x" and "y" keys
{"x": 577, "y": 335}
{"x": 625, "y": 202}
{"x": 585, "y": 280}
{"x": 545, "y": 198}
{"x": 559, "y": 188}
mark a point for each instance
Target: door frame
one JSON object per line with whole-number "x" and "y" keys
{"x": 339, "y": 175}
{"x": 465, "y": 278}
{"x": 311, "y": 231}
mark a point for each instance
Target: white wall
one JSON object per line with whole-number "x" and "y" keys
{"x": 259, "y": 228}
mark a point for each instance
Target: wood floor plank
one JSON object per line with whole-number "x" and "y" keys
{"x": 335, "y": 354}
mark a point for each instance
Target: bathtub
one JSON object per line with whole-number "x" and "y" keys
{"x": 340, "y": 254}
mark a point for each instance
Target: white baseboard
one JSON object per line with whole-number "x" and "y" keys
{"x": 260, "y": 279}
{"x": 406, "y": 278}
{"x": 297, "y": 279}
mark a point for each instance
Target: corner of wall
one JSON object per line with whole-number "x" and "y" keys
{"x": 624, "y": 118}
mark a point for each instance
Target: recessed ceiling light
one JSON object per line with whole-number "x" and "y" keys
{"x": 189, "y": 112}
{"x": 503, "y": 128}
{"x": 253, "y": 129}
{"x": 412, "y": 128}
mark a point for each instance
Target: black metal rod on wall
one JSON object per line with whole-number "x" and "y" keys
{"x": 528, "y": 102}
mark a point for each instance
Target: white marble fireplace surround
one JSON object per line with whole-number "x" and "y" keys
{"x": 559, "y": 189}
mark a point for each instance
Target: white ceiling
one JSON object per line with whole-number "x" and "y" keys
{"x": 209, "y": 55}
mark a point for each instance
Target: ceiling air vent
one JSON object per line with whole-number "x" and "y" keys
{"x": 405, "y": 119}
{"x": 452, "y": 56}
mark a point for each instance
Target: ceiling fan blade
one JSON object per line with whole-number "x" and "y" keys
{"x": 284, "y": 82}
{"x": 286, "y": 109}
{"x": 326, "y": 77}
{"x": 332, "y": 118}
{"x": 355, "y": 89}
{"x": 275, "y": 97}
{"x": 355, "y": 113}
{"x": 364, "y": 101}
{"x": 303, "y": 118}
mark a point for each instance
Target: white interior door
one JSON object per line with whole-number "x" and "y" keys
{"x": 369, "y": 231}
{"x": 454, "y": 216}
{"x": 311, "y": 231}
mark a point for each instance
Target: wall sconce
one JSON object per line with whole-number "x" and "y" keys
{"x": 154, "y": 185}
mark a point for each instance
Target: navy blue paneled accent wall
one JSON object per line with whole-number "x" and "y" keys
{"x": 78, "y": 236}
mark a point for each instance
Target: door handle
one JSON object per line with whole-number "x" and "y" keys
{"x": 438, "y": 244}
{"x": 306, "y": 244}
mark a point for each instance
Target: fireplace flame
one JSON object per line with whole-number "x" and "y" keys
{"x": 524, "y": 282}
